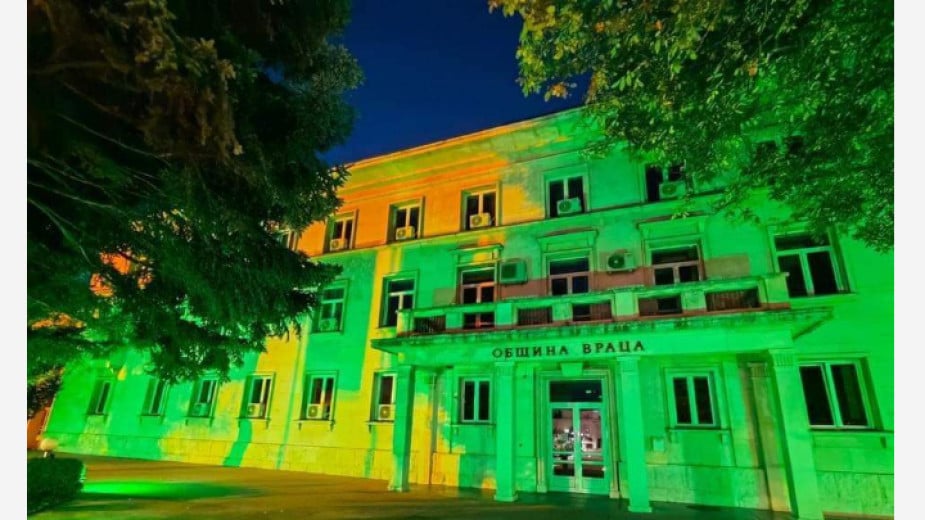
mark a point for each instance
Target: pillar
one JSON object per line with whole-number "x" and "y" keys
{"x": 401, "y": 432}
{"x": 505, "y": 434}
{"x": 797, "y": 440}
{"x": 634, "y": 446}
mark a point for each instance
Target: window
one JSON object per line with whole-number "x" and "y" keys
{"x": 319, "y": 398}
{"x": 571, "y": 276}
{"x": 406, "y": 222}
{"x": 809, "y": 264}
{"x": 257, "y": 397}
{"x": 203, "y": 397}
{"x": 480, "y": 210}
{"x": 340, "y": 233}
{"x": 566, "y": 196}
{"x": 155, "y": 397}
{"x": 289, "y": 238}
{"x": 673, "y": 177}
{"x": 676, "y": 265}
{"x": 99, "y": 401}
{"x": 399, "y": 294}
{"x": 834, "y": 395}
{"x": 384, "y": 397}
{"x": 475, "y": 400}
{"x": 331, "y": 311}
{"x": 692, "y": 400}
{"x": 477, "y": 285}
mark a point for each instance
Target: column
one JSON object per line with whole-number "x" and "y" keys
{"x": 505, "y": 435}
{"x": 634, "y": 444}
{"x": 797, "y": 441}
{"x": 401, "y": 432}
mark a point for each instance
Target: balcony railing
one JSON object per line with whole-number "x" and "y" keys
{"x": 628, "y": 303}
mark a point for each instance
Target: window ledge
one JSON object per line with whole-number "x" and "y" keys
{"x": 852, "y": 438}
{"x": 473, "y": 423}
{"x": 678, "y": 431}
{"x": 796, "y": 301}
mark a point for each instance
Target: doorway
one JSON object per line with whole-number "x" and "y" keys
{"x": 578, "y": 458}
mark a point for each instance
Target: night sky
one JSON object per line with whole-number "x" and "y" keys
{"x": 434, "y": 70}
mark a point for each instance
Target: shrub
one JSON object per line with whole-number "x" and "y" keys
{"x": 52, "y": 481}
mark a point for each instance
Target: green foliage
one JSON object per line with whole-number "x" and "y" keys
{"x": 167, "y": 140}
{"x": 41, "y": 390}
{"x": 704, "y": 82}
{"x": 52, "y": 481}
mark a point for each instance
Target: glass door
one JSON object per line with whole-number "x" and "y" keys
{"x": 578, "y": 461}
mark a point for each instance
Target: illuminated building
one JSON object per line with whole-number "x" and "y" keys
{"x": 517, "y": 316}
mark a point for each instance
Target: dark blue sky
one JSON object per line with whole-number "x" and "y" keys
{"x": 434, "y": 69}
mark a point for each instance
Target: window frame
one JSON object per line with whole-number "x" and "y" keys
{"x": 407, "y": 206}
{"x": 667, "y": 175}
{"x": 266, "y": 395}
{"x": 151, "y": 397}
{"x": 375, "y": 401}
{"x": 477, "y": 381}
{"x": 568, "y": 276}
{"x": 480, "y": 193}
{"x": 197, "y": 393}
{"x": 835, "y": 259}
{"x": 322, "y": 301}
{"x": 387, "y": 294}
{"x": 832, "y": 395}
{"x": 715, "y": 400}
{"x": 101, "y": 397}
{"x": 676, "y": 266}
{"x": 308, "y": 382}
{"x": 332, "y": 226}
{"x": 564, "y": 178}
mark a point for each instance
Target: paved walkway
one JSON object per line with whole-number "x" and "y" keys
{"x": 136, "y": 489}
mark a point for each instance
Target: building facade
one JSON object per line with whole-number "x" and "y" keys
{"x": 515, "y": 315}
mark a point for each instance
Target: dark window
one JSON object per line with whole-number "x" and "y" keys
{"x": 682, "y": 401}
{"x": 816, "y": 396}
{"x": 678, "y": 265}
{"x": 386, "y": 382}
{"x": 834, "y": 395}
{"x": 585, "y": 391}
{"x": 480, "y": 204}
{"x": 399, "y": 295}
{"x": 693, "y": 400}
{"x": 809, "y": 263}
{"x": 569, "y": 276}
{"x": 653, "y": 181}
{"x": 477, "y": 285}
{"x": 476, "y": 401}
{"x": 564, "y": 189}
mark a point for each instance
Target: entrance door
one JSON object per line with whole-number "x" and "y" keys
{"x": 578, "y": 453}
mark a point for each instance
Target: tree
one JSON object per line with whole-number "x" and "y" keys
{"x": 169, "y": 144}
{"x": 706, "y": 82}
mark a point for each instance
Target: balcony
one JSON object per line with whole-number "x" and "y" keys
{"x": 621, "y": 304}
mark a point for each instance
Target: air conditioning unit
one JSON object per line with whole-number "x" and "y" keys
{"x": 337, "y": 244}
{"x": 328, "y": 325}
{"x": 512, "y": 271}
{"x": 569, "y": 206}
{"x": 313, "y": 411}
{"x": 621, "y": 261}
{"x": 256, "y": 409}
{"x": 385, "y": 412}
{"x": 672, "y": 189}
{"x": 479, "y": 221}
{"x": 405, "y": 233}
{"x": 200, "y": 410}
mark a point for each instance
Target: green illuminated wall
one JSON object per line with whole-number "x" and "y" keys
{"x": 739, "y": 463}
